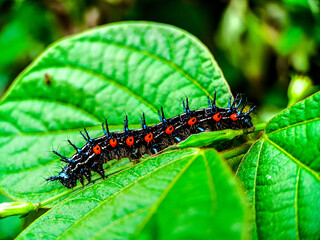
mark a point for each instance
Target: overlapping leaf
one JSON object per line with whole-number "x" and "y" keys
{"x": 281, "y": 174}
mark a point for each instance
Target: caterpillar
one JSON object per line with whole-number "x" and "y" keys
{"x": 134, "y": 144}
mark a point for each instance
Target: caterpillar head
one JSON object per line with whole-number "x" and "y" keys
{"x": 242, "y": 120}
{"x": 245, "y": 121}
{"x": 245, "y": 118}
{"x": 65, "y": 179}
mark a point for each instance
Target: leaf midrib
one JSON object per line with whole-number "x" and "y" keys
{"x": 255, "y": 192}
{"x": 296, "y": 204}
{"x": 165, "y": 192}
{"x": 210, "y": 183}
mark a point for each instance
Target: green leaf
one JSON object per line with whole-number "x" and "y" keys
{"x": 207, "y": 138}
{"x": 281, "y": 174}
{"x": 118, "y": 68}
{"x": 182, "y": 194}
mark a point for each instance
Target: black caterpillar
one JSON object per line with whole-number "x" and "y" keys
{"x": 133, "y": 144}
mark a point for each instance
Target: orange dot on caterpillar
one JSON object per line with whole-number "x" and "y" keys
{"x": 148, "y": 137}
{"x": 113, "y": 142}
{"x": 234, "y": 117}
{"x": 217, "y": 117}
{"x": 97, "y": 149}
{"x": 130, "y": 141}
{"x": 169, "y": 130}
{"x": 192, "y": 121}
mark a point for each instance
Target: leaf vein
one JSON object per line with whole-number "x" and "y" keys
{"x": 210, "y": 183}
{"x": 104, "y": 78}
{"x": 296, "y": 204}
{"x": 293, "y": 125}
{"x": 157, "y": 58}
{"x": 255, "y": 191}
{"x": 305, "y": 167}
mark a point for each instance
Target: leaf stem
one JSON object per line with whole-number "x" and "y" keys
{"x": 241, "y": 149}
{"x": 259, "y": 127}
{"x": 207, "y": 138}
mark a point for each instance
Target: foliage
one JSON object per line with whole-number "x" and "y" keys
{"x": 281, "y": 174}
{"x": 139, "y": 65}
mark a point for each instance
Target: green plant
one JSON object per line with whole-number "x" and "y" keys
{"x": 186, "y": 192}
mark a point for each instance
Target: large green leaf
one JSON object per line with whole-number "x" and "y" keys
{"x": 281, "y": 174}
{"x": 123, "y": 67}
{"x": 181, "y": 194}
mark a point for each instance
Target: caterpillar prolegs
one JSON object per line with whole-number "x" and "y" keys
{"x": 133, "y": 144}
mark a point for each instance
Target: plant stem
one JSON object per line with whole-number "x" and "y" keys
{"x": 259, "y": 127}
{"x": 241, "y": 149}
